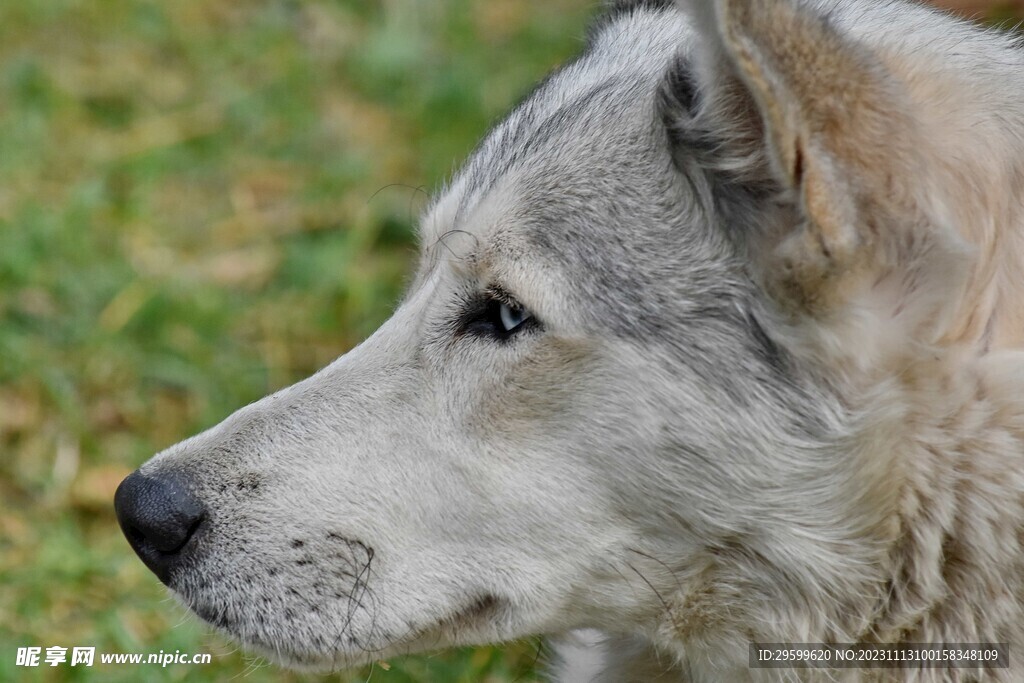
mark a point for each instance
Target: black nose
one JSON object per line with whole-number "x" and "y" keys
{"x": 159, "y": 517}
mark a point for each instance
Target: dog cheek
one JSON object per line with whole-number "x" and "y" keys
{"x": 538, "y": 393}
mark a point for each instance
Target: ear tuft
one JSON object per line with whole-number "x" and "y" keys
{"x": 717, "y": 127}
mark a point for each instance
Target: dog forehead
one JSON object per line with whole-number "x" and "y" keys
{"x": 563, "y": 141}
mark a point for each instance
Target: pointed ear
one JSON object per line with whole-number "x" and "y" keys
{"x": 798, "y": 104}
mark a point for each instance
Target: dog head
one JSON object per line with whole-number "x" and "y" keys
{"x": 615, "y": 393}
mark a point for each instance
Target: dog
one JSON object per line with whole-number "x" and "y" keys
{"x": 715, "y": 340}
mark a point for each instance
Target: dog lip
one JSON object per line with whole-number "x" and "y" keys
{"x": 466, "y": 617}
{"x": 479, "y": 608}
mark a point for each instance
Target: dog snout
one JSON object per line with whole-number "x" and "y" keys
{"x": 159, "y": 517}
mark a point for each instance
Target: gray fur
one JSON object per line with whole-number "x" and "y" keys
{"x": 673, "y": 455}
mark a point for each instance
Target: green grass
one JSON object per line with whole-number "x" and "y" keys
{"x": 191, "y": 216}
{"x": 190, "y": 219}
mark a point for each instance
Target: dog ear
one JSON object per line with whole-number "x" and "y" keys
{"x": 786, "y": 101}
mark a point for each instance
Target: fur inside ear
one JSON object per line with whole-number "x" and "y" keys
{"x": 787, "y": 100}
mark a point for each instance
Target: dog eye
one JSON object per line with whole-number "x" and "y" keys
{"x": 497, "y": 317}
{"x": 510, "y": 317}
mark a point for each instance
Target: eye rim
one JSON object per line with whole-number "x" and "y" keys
{"x": 482, "y": 316}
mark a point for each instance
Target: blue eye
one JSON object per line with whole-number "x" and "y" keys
{"x": 495, "y": 316}
{"x": 511, "y": 317}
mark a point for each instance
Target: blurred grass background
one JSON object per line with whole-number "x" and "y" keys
{"x": 202, "y": 201}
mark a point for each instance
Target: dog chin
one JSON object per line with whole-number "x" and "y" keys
{"x": 307, "y": 662}
{"x": 282, "y": 654}
{"x": 445, "y": 633}
{"x": 290, "y": 656}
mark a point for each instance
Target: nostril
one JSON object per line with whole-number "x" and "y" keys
{"x": 159, "y": 517}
